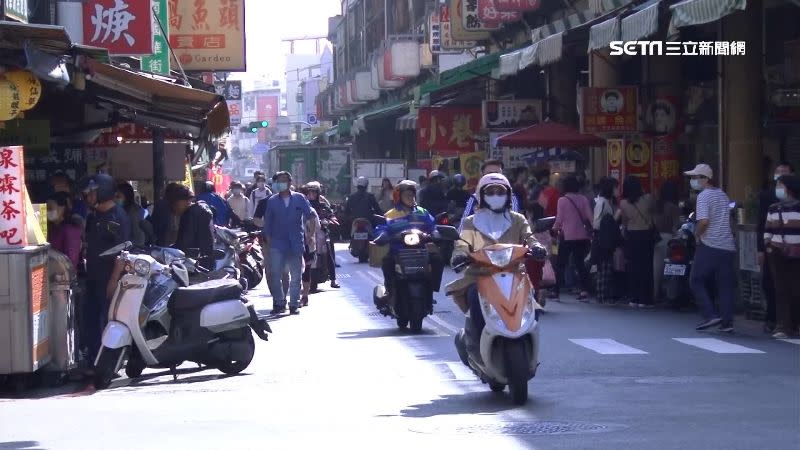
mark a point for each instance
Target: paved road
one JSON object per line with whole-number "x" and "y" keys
{"x": 340, "y": 376}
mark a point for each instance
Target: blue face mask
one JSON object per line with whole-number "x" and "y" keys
{"x": 280, "y": 187}
{"x": 696, "y": 185}
{"x": 780, "y": 193}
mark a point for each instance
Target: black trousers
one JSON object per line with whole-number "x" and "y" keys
{"x": 94, "y": 316}
{"x": 578, "y": 250}
{"x": 639, "y": 253}
{"x": 331, "y": 261}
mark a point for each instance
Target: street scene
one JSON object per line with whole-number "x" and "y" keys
{"x": 476, "y": 223}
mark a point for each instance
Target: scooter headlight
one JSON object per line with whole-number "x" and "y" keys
{"x": 411, "y": 239}
{"x": 500, "y": 258}
{"x": 142, "y": 267}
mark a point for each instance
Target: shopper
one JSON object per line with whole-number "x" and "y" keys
{"x": 64, "y": 232}
{"x": 637, "y": 210}
{"x": 126, "y": 198}
{"x": 766, "y": 199}
{"x": 574, "y": 225}
{"x": 782, "y": 245}
{"x": 715, "y": 252}
{"x": 239, "y": 203}
{"x": 667, "y": 219}
{"x": 261, "y": 192}
{"x": 607, "y": 237}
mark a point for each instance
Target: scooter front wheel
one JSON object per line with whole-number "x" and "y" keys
{"x": 135, "y": 366}
{"x": 517, "y": 370}
{"x": 231, "y": 367}
{"x": 106, "y": 367}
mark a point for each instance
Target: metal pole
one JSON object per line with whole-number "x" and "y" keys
{"x": 159, "y": 181}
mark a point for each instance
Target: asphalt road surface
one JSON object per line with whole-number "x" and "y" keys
{"x": 341, "y": 376}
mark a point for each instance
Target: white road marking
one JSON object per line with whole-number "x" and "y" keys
{"x": 608, "y": 347}
{"x": 791, "y": 341}
{"x": 716, "y": 345}
{"x": 460, "y": 371}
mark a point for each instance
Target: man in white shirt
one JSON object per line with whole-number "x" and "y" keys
{"x": 715, "y": 251}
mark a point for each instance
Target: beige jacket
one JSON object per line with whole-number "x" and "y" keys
{"x": 518, "y": 233}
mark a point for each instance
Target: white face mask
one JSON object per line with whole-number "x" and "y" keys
{"x": 237, "y": 192}
{"x": 697, "y": 185}
{"x": 496, "y": 202}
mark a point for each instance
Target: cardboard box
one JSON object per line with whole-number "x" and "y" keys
{"x": 376, "y": 254}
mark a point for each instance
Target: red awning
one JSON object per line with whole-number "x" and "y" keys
{"x": 550, "y": 134}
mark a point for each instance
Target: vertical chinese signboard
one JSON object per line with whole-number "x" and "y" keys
{"x": 208, "y": 34}
{"x": 123, "y": 27}
{"x": 446, "y": 41}
{"x": 233, "y": 96}
{"x": 158, "y": 62}
{"x": 447, "y": 130}
{"x": 609, "y": 110}
{"x": 615, "y": 152}
{"x": 639, "y": 161}
{"x": 13, "y": 232}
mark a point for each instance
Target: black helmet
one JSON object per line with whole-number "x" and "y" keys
{"x": 103, "y": 185}
{"x": 459, "y": 180}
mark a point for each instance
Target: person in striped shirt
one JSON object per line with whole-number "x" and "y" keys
{"x": 716, "y": 251}
{"x": 782, "y": 245}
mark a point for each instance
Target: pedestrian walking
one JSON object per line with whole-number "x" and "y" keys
{"x": 715, "y": 253}
{"x": 782, "y": 244}
{"x": 766, "y": 199}
{"x": 574, "y": 225}
{"x": 239, "y": 203}
{"x": 607, "y": 237}
{"x": 667, "y": 219}
{"x": 284, "y": 229}
{"x": 637, "y": 210}
{"x": 385, "y": 198}
{"x": 261, "y": 192}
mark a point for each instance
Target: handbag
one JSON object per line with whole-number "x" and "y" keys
{"x": 586, "y": 224}
{"x": 656, "y": 235}
{"x": 548, "y": 275}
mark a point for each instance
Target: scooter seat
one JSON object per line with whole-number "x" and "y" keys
{"x": 199, "y": 295}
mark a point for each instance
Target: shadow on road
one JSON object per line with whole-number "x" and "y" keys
{"x": 468, "y": 403}
{"x": 148, "y": 379}
{"x": 385, "y": 332}
{"x": 20, "y": 445}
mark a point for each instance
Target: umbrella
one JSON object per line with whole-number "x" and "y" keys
{"x": 549, "y": 134}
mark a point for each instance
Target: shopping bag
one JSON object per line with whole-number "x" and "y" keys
{"x": 548, "y": 275}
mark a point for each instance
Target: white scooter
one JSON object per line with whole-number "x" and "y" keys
{"x": 157, "y": 319}
{"x": 508, "y": 351}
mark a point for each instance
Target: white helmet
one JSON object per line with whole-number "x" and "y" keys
{"x": 492, "y": 179}
{"x": 362, "y": 182}
{"x": 436, "y": 174}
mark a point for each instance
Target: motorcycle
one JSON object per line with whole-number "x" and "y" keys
{"x": 157, "y": 319}
{"x": 412, "y": 298}
{"x": 445, "y": 246}
{"x": 678, "y": 264}
{"x": 509, "y": 342}
{"x": 319, "y": 268}
{"x": 361, "y": 233}
{"x": 226, "y": 256}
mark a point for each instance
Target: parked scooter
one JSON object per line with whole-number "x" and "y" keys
{"x": 678, "y": 265}
{"x": 509, "y": 342}
{"x": 412, "y": 297}
{"x": 157, "y": 319}
{"x": 361, "y": 233}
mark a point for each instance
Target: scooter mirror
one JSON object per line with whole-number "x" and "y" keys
{"x": 448, "y": 232}
{"x": 380, "y": 220}
{"x": 543, "y": 224}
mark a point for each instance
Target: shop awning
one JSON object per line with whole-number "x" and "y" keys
{"x": 529, "y": 56}
{"x": 602, "y": 34}
{"x": 385, "y": 111}
{"x": 549, "y": 134}
{"x": 550, "y": 49}
{"x": 481, "y": 67}
{"x": 606, "y": 6}
{"x": 642, "y": 23}
{"x": 698, "y": 12}
{"x": 155, "y": 101}
{"x": 407, "y": 122}
{"x": 509, "y": 64}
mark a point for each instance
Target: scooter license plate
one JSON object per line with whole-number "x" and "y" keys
{"x": 675, "y": 269}
{"x": 361, "y": 236}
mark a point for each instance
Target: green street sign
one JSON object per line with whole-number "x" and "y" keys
{"x": 158, "y": 62}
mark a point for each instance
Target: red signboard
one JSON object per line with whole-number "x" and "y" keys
{"x": 490, "y": 11}
{"x": 516, "y": 5}
{"x": 13, "y": 232}
{"x": 123, "y": 27}
{"x": 448, "y": 130}
{"x": 609, "y": 110}
{"x": 666, "y": 166}
{"x": 267, "y": 108}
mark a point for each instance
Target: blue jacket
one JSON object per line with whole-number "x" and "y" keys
{"x": 285, "y": 225}
{"x": 402, "y": 218}
{"x": 222, "y": 211}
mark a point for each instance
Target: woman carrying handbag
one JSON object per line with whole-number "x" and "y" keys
{"x": 574, "y": 225}
{"x": 607, "y": 238}
{"x": 637, "y": 210}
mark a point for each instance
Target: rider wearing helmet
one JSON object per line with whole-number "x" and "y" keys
{"x": 432, "y": 196}
{"x": 457, "y": 196}
{"x": 489, "y": 166}
{"x": 322, "y": 206}
{"x": 362, "y": 204}
{"x": 108, "y": 225}
{"x": 493, "y": 223}
{"x": 406, "y": 214}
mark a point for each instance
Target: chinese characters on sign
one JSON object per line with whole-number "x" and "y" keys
{"x": 491, "y": 11}
{"x": 511, "y": 114}
{"x": 448, "y": 130}
{"x": 12, "y": 198}
{"x": 208, "y": 34}
{"x": 446, "y": 40}
{"x": 123, "y": 27}
{"x": 609, "y": 110}
{"x": 471, "y": 17}
{"x": 158, "y": 62}
{"x": 232, "y": 90}
{"x": 614, "y": 147}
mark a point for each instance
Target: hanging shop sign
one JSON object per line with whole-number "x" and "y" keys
{"x": 208, "y": 34}
{"x": 609, "y": 110}
{"x": 471, "y": 17}
{"x": 516, "y": 5}
{"x": 471, "y": 167}
{"x": 447, "y": 130}
{"x": 10, "y": 104}
{"x": 159, "y": 61}
{"x": 511, "y": 114}
{"x": 440, "y": 20}
{"x": 662, "y": 115}
{"x": 615, "y": 152}
{"x": 13, "y": 231}
{"x": 457, "y": 29}
{"x": 639, "y": 161}
{"x": 403, "y": 60}
{"x": 666, "y": 166}
{"x": 500, "y": 11}
{"x": 29, "y": 87}
{"x": 232, "y": 91}
{"x": 123, "y": 27}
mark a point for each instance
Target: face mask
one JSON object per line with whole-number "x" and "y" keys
{"x": 52, "y": 216}
{"x": 261, "y": 185}
{"x": 237, "y": 192}
{"x": 780, "y": 193}
{"x": 280, "y": 187}
{"x": 775, "y": 177}
{"x": 696, "y": 185}
{"x": 496, "y": 202}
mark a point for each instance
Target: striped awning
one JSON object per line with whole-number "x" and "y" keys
{"x": 642, "y": 23}
{"x": 551, "y": 49}
{"x": 603, "y": 6}
{"x": 698, "y": 12}
{"x": 602, "y": 34}
{"x": 509, "y": 64}
{"x": 529, "y": 56}
{"x": 407, "y": 122}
